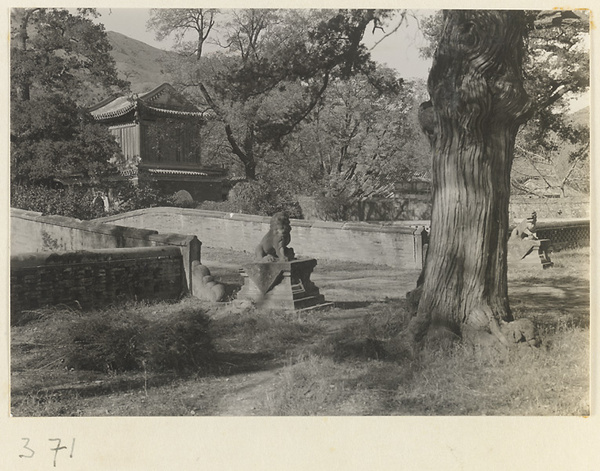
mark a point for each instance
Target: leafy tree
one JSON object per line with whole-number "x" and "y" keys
{"x": 550, "y": 145}
{"x": 362, "y": 137}
{"x": 178, "y": 22}
{"x": 58, "y": 61}
{"x": 53, "y": 50}
{"x": 274, "y": 69}
{"x": 556, "y": 68}
{"x": 478, "y": 102}
{"x": 51, "y": 138}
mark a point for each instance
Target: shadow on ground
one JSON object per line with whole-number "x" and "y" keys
{"x": 562, "y": 296}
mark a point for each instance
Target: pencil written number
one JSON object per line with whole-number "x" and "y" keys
{"x": 55, "y": 446}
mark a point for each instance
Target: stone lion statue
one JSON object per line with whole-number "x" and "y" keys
{"x": 526, "y": 228}
{"x": 274, "y": 245}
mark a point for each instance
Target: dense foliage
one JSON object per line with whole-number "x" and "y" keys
{"x": 258, "y": 197}
{"x": 60, "y": 63}
{"x": 85, "y": 202}
{"x": 273, "y": 70}
{"x": 52, "y": 139}
{"x": 298, "y": 89}
{"x": 75, "y": 201}
{"x": 54, "y": 50}
{"x": 552, "y": 146}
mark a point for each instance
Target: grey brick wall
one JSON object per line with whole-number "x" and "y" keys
{"x": 94, "y": 277}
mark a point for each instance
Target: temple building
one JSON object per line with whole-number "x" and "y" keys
{"x": 159, "y": 135}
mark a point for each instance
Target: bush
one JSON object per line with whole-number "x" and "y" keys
{"x": 129, "y": 197}
{"x": 333, "y": 208}
{"x": 256, "y": 197}
{"x": 75, "y": 202}
{"x": 82, "y": 202}
{"x": 182, "y": 199}
{"x": 117, "y": 341}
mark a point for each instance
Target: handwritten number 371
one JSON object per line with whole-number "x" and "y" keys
{"x": 56, "y": 449}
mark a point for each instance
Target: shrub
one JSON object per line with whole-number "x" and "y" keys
{"x": 182, "y": 199}
{"x": 333, "y": 208}
{"x": 75, "y": 202}
{"x": 129, "y": 197}
{"x": 256, "y": 197}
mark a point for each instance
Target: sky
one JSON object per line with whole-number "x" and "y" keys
{"x": 399, "y": 50}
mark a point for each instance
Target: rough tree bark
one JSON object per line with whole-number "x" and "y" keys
{"x": 478, "y": 104}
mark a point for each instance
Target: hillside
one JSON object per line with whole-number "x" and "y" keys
{"x": 142, "y": 65}
{"x": 581, "y": 117}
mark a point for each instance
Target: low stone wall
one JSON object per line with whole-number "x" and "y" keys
{"x": 398, "y": 244}
{"x": 94, "y": 277}
{"x": 32, "y": 232}
{"x": 394, "y": 244}
{"x": 550, "y": 208}
{"x": 565, "y": 234}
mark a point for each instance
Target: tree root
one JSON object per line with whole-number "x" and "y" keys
{"x": 493, "y": 344}
{"x": 521, "y": 331}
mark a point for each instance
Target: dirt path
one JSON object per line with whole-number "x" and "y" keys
{"x": 248, "y": 394}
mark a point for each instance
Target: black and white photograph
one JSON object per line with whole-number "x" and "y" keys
{"x": 298, "y": 212}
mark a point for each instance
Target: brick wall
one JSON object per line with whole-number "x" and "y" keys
{"x": 94, "y": 277}
{"x": 32, "y": 232}
{"x": 565, "y": 234}
{"x": 394, "y": 244}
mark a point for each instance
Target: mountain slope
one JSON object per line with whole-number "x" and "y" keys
{"x": 581, "y": 118}
{"x": 139, "y": 63}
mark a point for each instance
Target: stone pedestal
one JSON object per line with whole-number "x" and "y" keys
{"x": 281, "y": 285}
{"x": 530, "y": 251}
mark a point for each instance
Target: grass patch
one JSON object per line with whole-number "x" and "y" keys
{"x": 541, "y": 382}
{"x": 117, "y": 340}
{"x": 193, "y": 358}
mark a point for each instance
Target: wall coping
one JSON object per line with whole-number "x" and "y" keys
{"x": 407, "y": 227}
{"x": 384, "y": 226}
{"x": 97, "y": 226}
{"x": 36, "y": 259}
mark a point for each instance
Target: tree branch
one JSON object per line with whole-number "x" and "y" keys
{"x": 533, "y": 165}
{"x": 578, "y": 156}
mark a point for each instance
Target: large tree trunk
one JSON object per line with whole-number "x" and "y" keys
{"x": 479, "y": 102}
{"x": 25, "y": 84}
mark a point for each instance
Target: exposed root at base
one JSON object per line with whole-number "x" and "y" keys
{"x": 494, "y": 343}
{"x": 521, "y": 331}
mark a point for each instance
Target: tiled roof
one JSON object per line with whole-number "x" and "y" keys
{"x": 177, "y": 112}
{"x": 167, "y": 171}
{"x": 119, "y": 106}
{"x": 115, "y": 108}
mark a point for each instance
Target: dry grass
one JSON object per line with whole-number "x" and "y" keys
{"x": 326, "y": 362}
{"x": 552, "y": 380}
